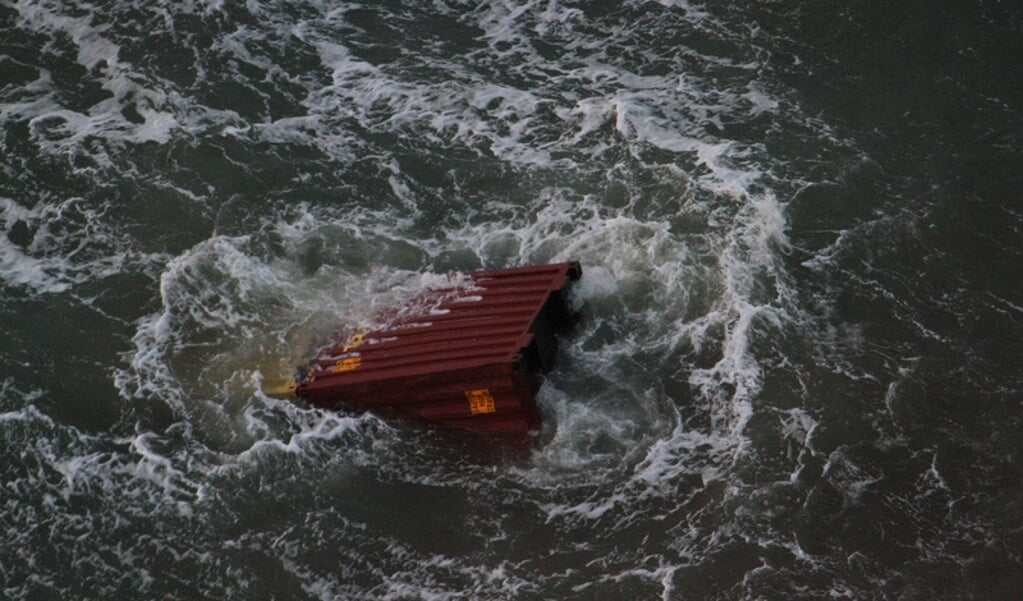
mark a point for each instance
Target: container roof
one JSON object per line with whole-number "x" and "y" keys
{"x": 487, "y": 321}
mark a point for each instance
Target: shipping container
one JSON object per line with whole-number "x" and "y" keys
{"x": 469, "y": 357}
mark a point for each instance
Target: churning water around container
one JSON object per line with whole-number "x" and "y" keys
{"x": 797, "y": 375}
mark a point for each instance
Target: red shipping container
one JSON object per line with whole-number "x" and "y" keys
{"x": 473, "y": 361}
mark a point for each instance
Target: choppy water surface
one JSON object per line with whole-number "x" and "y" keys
{"x": 798, "y": 375}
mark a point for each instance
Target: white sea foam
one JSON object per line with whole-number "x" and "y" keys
{"x": 154, "y": 466}
{"x": 317, "y": 429}
{"x": 160, "y": 110}
{"x": 69, "y": 246}
{"x": 93, "y": 48}
{"x": 663, "y": 575}
{"x": 89, "y": 465}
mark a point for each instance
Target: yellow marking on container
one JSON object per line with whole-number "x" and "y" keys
{"x": 480, "y": 401}
{"x": 355, "y": 342}
{"x": 347, "y": 364}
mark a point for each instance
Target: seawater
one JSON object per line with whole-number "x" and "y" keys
{"x": 797, "y": 375}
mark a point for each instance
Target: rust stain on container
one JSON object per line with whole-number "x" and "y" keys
{"x": 472, "y": 361}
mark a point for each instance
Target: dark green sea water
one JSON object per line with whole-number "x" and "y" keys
{"x": 799, "y": 374}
